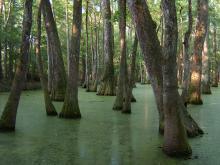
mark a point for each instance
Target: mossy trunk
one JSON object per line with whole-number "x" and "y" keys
{"x": 50, "y": 109}
{"x": 107, "y": 85}
{"x": 8, "y": 118}
{"x": 71, "y": 106}
{"x": 201, "y": 29}
{"x": 59, "y": 74}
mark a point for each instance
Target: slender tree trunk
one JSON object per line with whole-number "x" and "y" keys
{"x": 59, "y": 74}
{"x": 1, "y": 72}
{"x": 216, "y": 73}
{"x": 127, "y": 86}
{"x": 50, "y": 109}
{"x": 50, "y": 69}
{"x": 67, "y": 31}
{"x": 8, "y": 118}
{"x": 95, "y": 65}
{"x": 71, "y": 106}
{"x": 6, "y": 59}
{"x": 107, "y": 86}
{"x": 201, "y": 29}
{"x": 133, "y": 66}
{"x": 206, "y": 68}
{"x": 186, "y": 56}
{"x": 87, "y": 50}
{"x": 123, "y": 91}
{"x": 10, "y": 63}
{"x": 180, "y": 54}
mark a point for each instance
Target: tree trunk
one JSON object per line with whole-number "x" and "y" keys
{"x": 59, "y": 74}
{"x": 186, "y": 57}
{"x": 6, "y": 59}
{"x": 133, "y": 66}
{"x": 8, "y": 118}
{"x": 153, "y": 61}
{"x": 71, "y": 106}
{"x": 123, "y": 91}
{"x": 216, "y": 73}
{"x": 87, "y": 50}
{"x": 107, "y": 86}
{"x": 175, "y": 140}
{"x": 201, "y": 29}
{"x": 95, "y": 64}
{"x": 50, "y": 109}
{"x": 1, "y": 72}
{"x": 10, "y": 64}
{"x": 205, "y": 68}
{"x": 67, "y": 32}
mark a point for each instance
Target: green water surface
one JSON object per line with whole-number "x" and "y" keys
{"x": 103, "y": 136}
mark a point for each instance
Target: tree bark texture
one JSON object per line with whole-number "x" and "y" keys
{"x": 175, "y": 139}
{"x": 58, "y": 70}
{"x": 107, "y": 86}
{"x": 146, "y": 32}
{"x": 71, "y": 106}
{"x": 196, "y": 68}
{"x": 50, "y": 109}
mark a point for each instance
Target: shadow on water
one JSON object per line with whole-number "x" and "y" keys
{"x": 103, "y": 136}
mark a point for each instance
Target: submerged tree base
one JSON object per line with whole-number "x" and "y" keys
{"x": 107, "y": 88}
{"x": 70, "y": 110}
{"x": 58, "y": 95}
{"x": 126, "y": 111}
{"x": 6, "y": 128}
{"x": 206, "y": 89}
{"x": 117, "y": 108}
{"x": 192, "y": 128}
{"x": 195, "y": 98}
{"x": 214, "y": 85}
{"x": 178, "y": 152}
{"x": 133, "y": 99}
{"x": 70, "y": 115}
{"x": 196, "y": 101}
{"x": 51, "y": 113}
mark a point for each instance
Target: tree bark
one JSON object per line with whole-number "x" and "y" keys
{"x": 201, "y": 29}
{"x": 59, "y": 74}
{"x": 87, "y": 50}
{"x": 8, "y": 118}
{"x": 50, "y": 109}
{"x": 123, "y": 95}
{"x": 107, "y": 86}
{"x": 216, "y": 73}
{"x": 175, "y": 140}
{"x": 133, "y": 66}
{"x": 206, "y": 68}
{"x": 186, "y": 56}
{"x": 71, "y": 106}
{"x": 146, "y": 32}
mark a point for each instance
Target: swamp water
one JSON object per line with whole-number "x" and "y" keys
{"x": 103, "y": 136}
